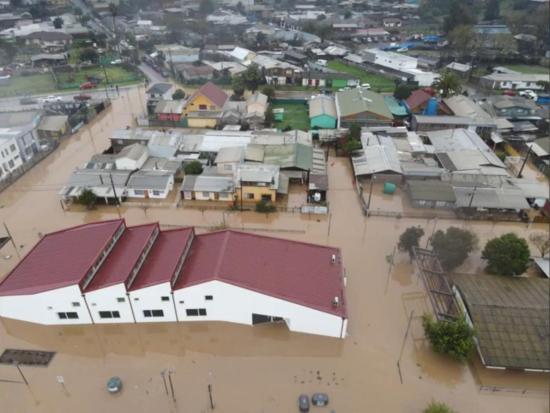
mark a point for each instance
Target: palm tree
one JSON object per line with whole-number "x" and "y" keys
{"x": 448, "y": 84}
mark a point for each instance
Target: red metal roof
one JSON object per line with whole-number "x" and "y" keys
{"x": 215, "y": 94}
{"x": 294, "y": 271}
{"x": 60, "y": 259}
{"x": 124, "y": 256}
{"x": 417, "y": 98}
{"x": 163, "y": 258}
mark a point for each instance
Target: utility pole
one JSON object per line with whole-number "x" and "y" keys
{"x": 241, "y": 183}
{"x": 372, "y": 179}
{"x": 12, "y": 241}
{"x": 525, "y": 161}
{"x": 117, "y": 202}
{"x": 210, "y": 396}
{"x": 21, "y": 373}
{"x": 163, "y": 375}
{"x": 171, "y": 385}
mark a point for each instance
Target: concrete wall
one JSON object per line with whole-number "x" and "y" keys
{"x": 107, "y": 299}
{"x": 150, "y": 298}
{"x": 212, "y": 196}
{"x": 43, "y": 308}
{"x": 235, "y": 304}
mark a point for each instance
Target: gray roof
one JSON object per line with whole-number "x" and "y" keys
{"x": 297, "y": 156}
{"x": 53, "y": 123}
{"x": 544, "y": 265}
{"x": 459, "y": 67}
{"x": 154, "y": 163}
{"x": 359, "y": 100}
{"x": 431, "y": 190}
{"x": 453, "y": 120}
{"x": 322, "y": 105}
{"x": 510, "y": 316}
{"x": 150, "y": 180}
{"x": 492, "y": 198}
{"x": 133, "y": 152}
{"x": 159, "y": 88}
{"x": 515, "y": 77}
{"x": 254, "y": 153}
{"x": 318, "y": 182}
{"x": 170, "y": 106}
{"x": 463, "y": 106}
{"x": 202, "y": 183}
{"x": 230, "y": 154}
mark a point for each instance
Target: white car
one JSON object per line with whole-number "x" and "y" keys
{"x": 528, "y": 94}
{"x": 365, "y": 85}
{"x": 51, "y": 99}
{"x": 116, "y": 61}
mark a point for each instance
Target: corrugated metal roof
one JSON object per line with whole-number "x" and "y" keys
{"x": 149, "y": 180}
{"x": 491, "y": 198}
{"x": 201, "y": 183}
{"x": 359, "y": 100}
{"x": 322, "y": 105}
{"x": 230, "y": 154}
{"x": 431, "y": 190}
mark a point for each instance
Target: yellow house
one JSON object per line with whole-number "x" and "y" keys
{"x": 259, "y": 183}
{"x": 204, "y": 107}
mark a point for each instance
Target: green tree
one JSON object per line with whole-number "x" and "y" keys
{"x": 492, "y": 10}
{"x": 436, "y": 407}
{"x": 403, "y": 91}
{"x": 89, "y": 53}
{"x": 206, "y": 6}
{"x": 355, "y": 131}
{"x": 448, "y": 84}
{"x": 544, "y": 84}
{"x": 85, "y": 18}
{"x": 237, "y": 84}
{"x": 58, "y": 22}
{"x": 269, "y": 91}
{"x": 541, "y": 241}
{"x": 269, "y": 118}
{"x": 178, "y": 94}
{"x": 347, "y": 14}
{"x": 350, "y": 145}
{"x": 39, "y": 10}
{"x": 453, "y": 246}
{"x": 193, "y": 168}
{"x": 506, "y": 255}
{"x": 452, "y": 338}
{"x": 409, "y": 239}
{"x": 88, "y": 198}
{"x": 253, "y": 77}
{"x": 462, "y": 40}
{"x": 459, "y": 14}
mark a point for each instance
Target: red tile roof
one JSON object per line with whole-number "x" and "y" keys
{"x": 417, "y": 98}
{"x": 213, "y": 93}
{"x": 294, "y": 271}
{"x": 60, "y": 259}
{"x": 118, "y": 266}
{"x": 161, "y": 263}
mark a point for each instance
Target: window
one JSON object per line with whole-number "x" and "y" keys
{"x": 12, "y": 147}
{"x": 139, "y": 192}
{"x": 181, "y": 301}
{"x": 203, "y": 107}
{"x": 156, "y": 193}
{"x": 68, "y": 315}
{"x": 202, "y": 311}
{"x": 76, "y": 304}
{"x": 249, "y": 195}
{"x": 165, "y": 298}
{"x": 109, "y": 314}
{"x": 208, "y": 297}
{"x": 136, "y": 299}
{"x": 121, "y": 299}
{"x": 153, "y": 313}
{"x": 206, "y": 194}
{"x": 146, "y": 313}
{"x": 191, "y": 312}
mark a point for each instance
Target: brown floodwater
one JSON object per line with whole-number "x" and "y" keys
{"x": 260, "y": 369}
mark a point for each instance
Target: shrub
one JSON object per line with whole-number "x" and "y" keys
{"x": 265, "y": 206}
{"x": 178, "y": 94}
{"x": 453, "y": 246}
{"x": 506, "y": 255}
{"x": 88, "y": 198}
{"x": 452, "y": 338}
{"x": 436, "y": 407}
{"x": 193, "y": 168}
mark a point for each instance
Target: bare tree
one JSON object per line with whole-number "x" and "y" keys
{"x": 541, "y": 241}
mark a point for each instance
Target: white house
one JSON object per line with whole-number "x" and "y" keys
{"x": 513, "y": 80}
{"x": 208, "y": 188}
{"x": 10, "y": 156}
{"x": 151, "y": 292}
{"x": 131, "y": 157}
{"x": 107, "y": 273}
{"x": 150, "y": 184}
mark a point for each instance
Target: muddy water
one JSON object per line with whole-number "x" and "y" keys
{"x": 261, "y": 369}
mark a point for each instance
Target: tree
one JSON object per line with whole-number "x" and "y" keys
{"x": 545, "y": 84}
{"x": 410, "y": 239}
{"x": 436, "y": 407}
{"x": 355, "y": 131}
{"x": 541, "y": 241}
{"x": 492, "y": 10}
{"x": 452, "y": 338}
{"x": 88, "y": 198}
{"x": 89, "y": 53}
{"x": 238, "y": 86}
{"x": 448, "y": 84}
{"x": 403, "y": 91}
{"x": 269, "y": 91}
{"x": 453, "y": 246}
{"x": 85, "y": 18}
{"x": 193, "y": 168}
{"x": 58, "y": 22}
{"x": 178, "y": 94}
{"x": 39, "y": 10}
{"x": 506, "y": 255}
{"x": 206, "y": 6}
{"x": 269, "y": 118}
{"x": 253, "y": 77}
{"x": 347, "y": 14}
{"x": 462, "y": 40}
{"x": 350, "y": 145}
{"x": 459, "y": 14}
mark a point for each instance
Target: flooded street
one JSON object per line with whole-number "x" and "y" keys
{"x": 260, "y": 369}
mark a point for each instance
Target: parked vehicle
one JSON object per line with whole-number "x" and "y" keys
{"x": 51, "y": 99}
{"x": 116, "y": 61}
{"x": 87, "y": 85}
{"x": 529, "y": 94}
{"x": 114, "y": 385}
{"x": 509, "y": 92}
{"x": 303, "y": 403}
{"x": 319, "y": 399}
{"x": 28, "y": 101}
{"x": 365, "y": 85}
{"x": 82, "y": 97}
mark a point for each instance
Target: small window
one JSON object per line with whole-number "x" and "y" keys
{"x": 72, "y": 315}
{"x": 146, "y": 313}
{"x": 105, "y": 314}
{"x": 62, "y": 316}
{"x": 76, "y": 304}
{"x": 136, "y": 299}
{"x": 116, "y": 314}
{"x": 249, "y": 195}
{"x": 203, "y": 107}
{"x": 50, "y": 307}
{"x": 202, "y": 311}
{"x": 206, "y": 194}
{"x": 122, "y": 299}
{"x": 165, "y": 298}
{"x": 12, "y": 148}
{"x": 158, "y": 313}
{"x": 182, "y": 302}
{"x": 156, "y": 193}
{"x": 208, "y": 297}
{"x": 192, "y": 312}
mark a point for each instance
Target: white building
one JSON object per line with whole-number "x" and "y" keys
{"x": 10, "y": 156}
{"x": 107, "y": 273}
{"x": 150, "y": 184}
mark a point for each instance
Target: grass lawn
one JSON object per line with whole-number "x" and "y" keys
{"x": 296, "y": 116}
{"x": 115, "y": 75}
{"x": 377, "y": 82}
{"x": 529, "y": 69}
{"x": 28, "y": 85}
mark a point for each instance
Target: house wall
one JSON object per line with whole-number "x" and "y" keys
{"x": 194, "y": 104}
{"x": 172, "y": 117}
{"x": 130, "y": 164}
{"x": 202, "y": 123}
{"x": 257, "y": 192}
{"x": 150, "y": 298}
{"x": 149, "y": 193}
{"x": 226, "y": 168}
{"x": 106, "y": 299}
{"x": 323, "y": 122}
{"x": 211, "y": 196}
{"x": 42, "y": 308}
{"x": 10, "y": 157}
{"x": 236, "y": 305}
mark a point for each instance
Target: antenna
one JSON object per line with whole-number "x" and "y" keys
{"x": 336, "y": 301}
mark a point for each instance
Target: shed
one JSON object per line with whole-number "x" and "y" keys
{"x": 322, "y": 112}
{"x": 431, "y": 193}
{"x": 53, "y": 126}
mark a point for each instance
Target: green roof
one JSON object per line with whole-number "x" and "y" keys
{"x": 358, "y": 100}
{"x": 510, "y": 316}
{"x": 295, "y": 155}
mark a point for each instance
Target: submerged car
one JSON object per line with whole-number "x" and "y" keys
{"x": 114, "y": 385}
{"x": 303, "y": 403}
{"x": 319, "y": 399}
